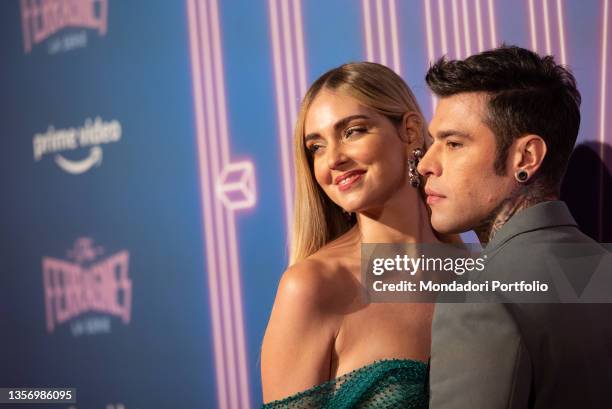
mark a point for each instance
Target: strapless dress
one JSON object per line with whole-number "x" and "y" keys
{"x": 388, "y": 383}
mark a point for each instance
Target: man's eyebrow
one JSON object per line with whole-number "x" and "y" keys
{"x": 340, "y": 124}
{"x": 450, "y": 132}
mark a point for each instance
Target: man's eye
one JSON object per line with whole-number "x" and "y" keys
{"x": 354, "y": 131}
{"x": 453, "y": 145}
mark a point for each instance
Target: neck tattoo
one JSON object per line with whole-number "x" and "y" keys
{"x": 522, "y": 197}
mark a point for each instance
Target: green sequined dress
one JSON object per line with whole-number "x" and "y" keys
{"x": 390, "y": 383}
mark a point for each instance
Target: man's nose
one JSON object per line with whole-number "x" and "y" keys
{"x": 429, "y": 163}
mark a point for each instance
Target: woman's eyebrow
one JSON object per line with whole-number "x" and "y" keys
{"x": 340, "y": 124}
{"x": 311, "y": 136}
{"x": 345, "y": 121}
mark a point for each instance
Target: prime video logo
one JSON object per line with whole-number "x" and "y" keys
{"x": 41, "y": 19}
{"x": 92, "y": 135}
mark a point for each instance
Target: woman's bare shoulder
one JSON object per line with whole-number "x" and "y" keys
{"x": 325, "y": 277}
{"x": 300, "y": 333}
{"x": 312, "y": 300}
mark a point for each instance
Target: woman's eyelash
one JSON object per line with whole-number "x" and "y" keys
{"x": 313, "y": 148}
{"x": 347, "y": 134}
{"x": 350, "y": 131}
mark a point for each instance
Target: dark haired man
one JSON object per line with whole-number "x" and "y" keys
{"x": 503, "y": 131}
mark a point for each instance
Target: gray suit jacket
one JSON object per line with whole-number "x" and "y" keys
{"x": 528, "y": 355}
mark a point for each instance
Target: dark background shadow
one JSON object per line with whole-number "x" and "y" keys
{"x": 587, "y": 190}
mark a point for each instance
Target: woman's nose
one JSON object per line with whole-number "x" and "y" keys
{"x": 336, "y": 156}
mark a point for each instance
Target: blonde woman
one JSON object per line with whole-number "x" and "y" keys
{"x": 358, "y": 134}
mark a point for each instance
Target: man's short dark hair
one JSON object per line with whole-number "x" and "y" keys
{"x": 528, "y": 94}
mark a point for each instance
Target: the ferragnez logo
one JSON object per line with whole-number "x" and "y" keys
{"x": 84, "y": 283}
{"x": 92, "y": 135}
{"x": 42, "y": 18}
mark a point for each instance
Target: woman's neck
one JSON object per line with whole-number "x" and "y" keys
{"x": 404, "y": 219}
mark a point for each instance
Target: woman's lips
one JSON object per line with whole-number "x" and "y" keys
{"x": 348, "y": 181}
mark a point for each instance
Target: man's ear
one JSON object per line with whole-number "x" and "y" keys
{"x": 529, "y": 153}
{"x": 411, "y": 129}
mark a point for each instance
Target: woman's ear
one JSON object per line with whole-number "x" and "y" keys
{"x": 412, "y": 128}
{"x": 529, "y": 153}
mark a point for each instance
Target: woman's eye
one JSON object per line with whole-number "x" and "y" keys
{"x": 313, "y": 148}
{"x": 354, "y": 131}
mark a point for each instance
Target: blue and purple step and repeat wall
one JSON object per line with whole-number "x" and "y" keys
{"x": 146, "y": 171}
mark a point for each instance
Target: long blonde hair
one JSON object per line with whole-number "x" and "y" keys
{"x": 317, "y": 219}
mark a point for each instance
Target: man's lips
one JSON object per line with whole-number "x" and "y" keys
{"x": 347, "y": 179}
{"x": 433, "y": 197}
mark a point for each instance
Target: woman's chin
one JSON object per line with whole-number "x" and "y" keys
{"x": 361, "y": 205}
{"x": 359, "y": 209}
{"x": 352, "y": 207}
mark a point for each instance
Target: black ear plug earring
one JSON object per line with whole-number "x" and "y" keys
{"x": 521, "y": 175}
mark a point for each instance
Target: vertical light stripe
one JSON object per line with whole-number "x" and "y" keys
{"x": 532, "y": 27}
{"x": 602, "y": 110}
{"x": 235, "y": 285}
{"x": 282, "y": 115}
{"x": 288, "y": 53}
{"x": 428, "y": 25}
{"x": 458, "y": 51}
{"x": 205, "y": 182}
{"x": 286, "y": 30}
{"x": 297, "y": 22}
{"x": 382, "y": 41}
{"x": 367, "y": 18}
{"x": 219, "y": 75}
{"x": 561, "y": 26}
{"x": 295, "y": 58}
{"x": 381, "y": 33}
{"x": 466, "y": 29}
{"x": 430, "y": 45}
{"x": 443, "y": 27}
{"x": 604, "y": 74}
{"x": 238, "y": 317}
{"x": 215, "y": 165}
{"x": 209, "y": 159}
{"x": 547, "y": 27}
{"x": 492, "y": 26}
{"x": 217, "y": 226}
{"x": 394, "y": 37}
{"x": 479, "y": 26}
{"x": 225, "y": 288}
